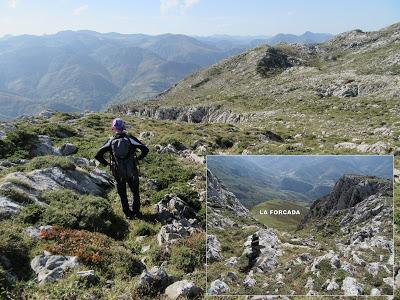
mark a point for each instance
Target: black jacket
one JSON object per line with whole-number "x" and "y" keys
{"x": 134, "y": 141}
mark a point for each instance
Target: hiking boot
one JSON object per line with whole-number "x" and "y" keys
{"x": 137, "y": 215}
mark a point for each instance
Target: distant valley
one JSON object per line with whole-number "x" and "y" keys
{"x": 87, "y": 70}
{"x": 257, "y": 179}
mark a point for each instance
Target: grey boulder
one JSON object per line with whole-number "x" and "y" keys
{"x": 68, "y": 149}
{"x": 52, "y": 267}
{"x": 184, "y": 288}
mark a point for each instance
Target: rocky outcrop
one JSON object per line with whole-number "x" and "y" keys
{"x": 348, "y": 191}
{"x": 68, "y": 149}
{"x": 183, "y": 289}
{"x": 44, "y": 146}
{"x": 172, "y": 207}
{"x": 213, "y": 248}
{"x": 178, "y": 229}
{"x": 52, "y": 267}
{"x": 351, "y": 287}
{"x": 219, "y": 197}
{"x": 29, "y": 186}
{"x": 154, "y": 281}
{"x": 199, "y": 114}
{"x": 218, "y": 287}
{"x": 378, "y": 147}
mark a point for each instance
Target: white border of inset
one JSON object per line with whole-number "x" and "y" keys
{"x": 206, "y": 294}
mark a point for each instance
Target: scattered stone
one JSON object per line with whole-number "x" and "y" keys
{"x": 379, "y": 147}
{"x": 36, "y": 232}
{"x": 331, "y": 285}
{"x": 167, "y": 149}
{"x": 249, "y": 281}
{"x": 231, "y": 262}
{"x": 68, "y": 149}
{"x": 389, "y": 281}
{"x": 271, "y": 136}
{"x": 331, "y": 256}
{"x": 172, "y": 207}
{"x": 145, "y": 248}
{"x": 146, "y": 134}
{"x": 52, "y": 267}
{"x": 213, "y": 249}
{"x": 218, "y": 287}
{"x": 47, "y": 114}
{"x": 44, "y": 147}
{"x": 184, "y": 288}
{"x": 373, "y": 268}
{"x": 170, "y": 233}
{"x": 309, "y": 284}
{"x": 358, "y": 261}
{"x": 8, "y": 208}
{"x": 351, "y": 287}
{"x": 88, "y": 275}
{"x": 155, "y": 280}
{"x": 375, "y": 292}
{"x": 232, "y": 277}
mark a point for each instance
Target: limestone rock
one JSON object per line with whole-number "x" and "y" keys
{"x": 146, "y": 134}
{"x": 183, "y": 288}
{"x": 218, "y": 287}
{"x": 68, "y": 149}
{"x": 52, "y": 267}
{"x": 351, "y": 287}
{"x": 331, "y": 256}
{"x": 156, "y": 279}
{"x": 8, "y": 208}
{"x": 44, "y": 147}
{"x": 170, "y": 233}
{"x": 213, "y": 248}
{"x": 172, "y": 207}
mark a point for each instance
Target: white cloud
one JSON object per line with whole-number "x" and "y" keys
{"x": 79, "y": 10}
{"x": 167, "y": 6}
{"x": 13, "y": 3}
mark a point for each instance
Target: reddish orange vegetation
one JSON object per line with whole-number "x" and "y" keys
{"x": 87, "y": 246}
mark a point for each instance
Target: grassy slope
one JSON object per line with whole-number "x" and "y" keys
{"x": 170, "y": 171}
{"x": 280, "y": 222}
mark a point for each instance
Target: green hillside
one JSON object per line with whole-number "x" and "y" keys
{"x": 281, "y": 222}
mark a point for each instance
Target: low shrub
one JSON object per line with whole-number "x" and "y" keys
{"x": 158, "y": 255}
{"x": 31, "y": 214}
{"x": 94, "y": 249}
{"x": 18, "y": 143}
{"x": 15, "y": 246}
{"x": 144, "y": 229}
{"x": 223, "y": 142}
{"x": 69, "y": 209}
{"x": 189, "y": 253}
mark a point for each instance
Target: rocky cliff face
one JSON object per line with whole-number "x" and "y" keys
{"x": 197, "y": 114}
{"x": 221, "y": 201}
{"x": 348, "y": 191}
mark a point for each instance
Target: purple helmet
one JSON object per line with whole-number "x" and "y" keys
{"x": 118, "y": 124}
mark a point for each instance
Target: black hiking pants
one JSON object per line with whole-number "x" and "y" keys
{"x": 133, "y": 184}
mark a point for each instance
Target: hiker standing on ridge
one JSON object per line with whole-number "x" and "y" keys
{"x": 123, "y": 165}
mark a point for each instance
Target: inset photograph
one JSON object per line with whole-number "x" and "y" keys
{"x": 300, "y": 225}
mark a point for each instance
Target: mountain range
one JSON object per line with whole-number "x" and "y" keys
{"x": 256, "y": 179}
{"x": 87, "y": 70}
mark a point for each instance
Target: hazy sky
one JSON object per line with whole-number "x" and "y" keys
{"x": 196, "y": 17}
